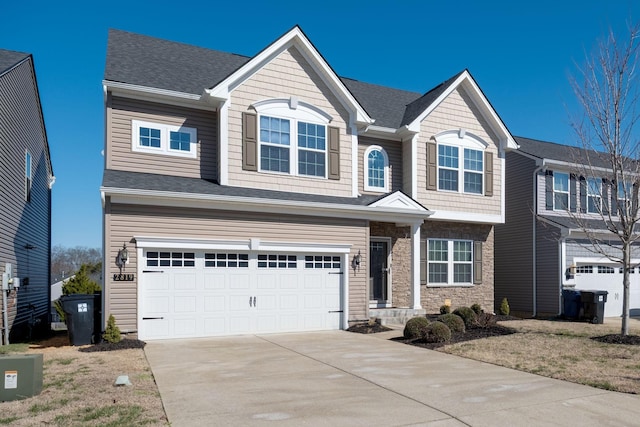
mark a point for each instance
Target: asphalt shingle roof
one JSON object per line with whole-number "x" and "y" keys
{"x": 151, "y": 62}
{"x": 9, "y": 58}
{"x": 167, "y": 183}
{"x": 572, "y": 224}
{"x": 563, "y": 153}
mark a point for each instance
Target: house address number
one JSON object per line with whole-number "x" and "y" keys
{"x": 123, "y": 277}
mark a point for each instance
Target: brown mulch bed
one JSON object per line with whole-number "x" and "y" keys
{"x": 368, "y": 328}
{"x": 124, "y": 344}
{"x": 618, "y": 339}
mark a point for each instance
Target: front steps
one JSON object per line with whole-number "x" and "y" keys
{"x": 395, "y": 316}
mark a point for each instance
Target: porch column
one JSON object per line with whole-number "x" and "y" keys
{"x": 415, "y": 266}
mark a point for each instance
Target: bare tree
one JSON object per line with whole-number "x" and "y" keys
{"x": 66, "y": 262}
{"x": 607, "y": 89}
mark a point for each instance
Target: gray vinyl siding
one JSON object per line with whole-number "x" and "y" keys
{"x": 548, "y": 270}
{"x": 514, "y": 238}
{"x": 22, "y": 223}
{"x": 119, "y": 155}
{"x": 123, "y": 222}
{"x": 394, "y": 153}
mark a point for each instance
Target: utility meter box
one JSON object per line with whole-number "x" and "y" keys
{"x": 21, "y": 376}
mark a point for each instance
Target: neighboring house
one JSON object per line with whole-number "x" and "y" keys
{"x": 26, "y": 178}
{"x": 542, "y": 248}
{"x": 268, "y": 194}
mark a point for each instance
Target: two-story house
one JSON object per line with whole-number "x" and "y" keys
{"x": 268, "y": 194}
{"x": 556, "y": 198}
{"x": 26, "y": 178}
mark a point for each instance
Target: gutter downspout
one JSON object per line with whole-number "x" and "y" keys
{"x": 534, "y": 275}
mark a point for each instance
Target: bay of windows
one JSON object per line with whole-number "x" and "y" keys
{"x": 277, "y": 154}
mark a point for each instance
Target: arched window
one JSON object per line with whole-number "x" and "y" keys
{"x": 376, "y": 169}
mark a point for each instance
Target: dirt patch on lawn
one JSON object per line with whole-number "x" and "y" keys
{"x": 78, "y": 388}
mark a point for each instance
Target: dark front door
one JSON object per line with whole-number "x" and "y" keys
{"x": 378, "y": 270}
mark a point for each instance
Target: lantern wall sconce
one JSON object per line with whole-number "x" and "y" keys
{"x": 122, "y": 258}
{"x": 355, "y": 262}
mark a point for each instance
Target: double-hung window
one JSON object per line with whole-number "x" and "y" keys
{"x": 625, "y": 193}
{"x": 561, "y": 191}
{"x": 450, "y": 173}
{"x": 164, "y": 139}
{"x": 450, "y": 261}
{"x": 594, "y": 195}
{"x": 307, "y": 157}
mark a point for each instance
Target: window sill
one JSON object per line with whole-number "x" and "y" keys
{"x": 450, "y": 285}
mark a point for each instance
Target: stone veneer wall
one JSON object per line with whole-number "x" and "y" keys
{"x": 432, "y": 297}
{"x": 400, "y": 260}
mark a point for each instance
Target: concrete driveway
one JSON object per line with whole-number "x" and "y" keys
{"x": 346, "y": 379}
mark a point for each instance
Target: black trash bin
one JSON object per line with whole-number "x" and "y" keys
{"x": 80, "y": 317}
{"x": 593, "y": 304}
{"x": 571, "y": 303}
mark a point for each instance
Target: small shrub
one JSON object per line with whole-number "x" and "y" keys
{"x": 453, "y": 321}
{"x": 486, "y": 320}
{"x": 436, "y": 332}
{"x": 504, "y": 307}
{"x": 445, "y": 309}
{"x": 469, "y": 316}
{"x": 112, "y": 332}
{"x": 413, "y": 328}
{"x": 477, "y": 309}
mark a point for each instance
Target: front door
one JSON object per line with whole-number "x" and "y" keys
{"x": 379, "y": 272}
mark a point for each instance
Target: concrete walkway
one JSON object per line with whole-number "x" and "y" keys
{"x": 346, "y": 379}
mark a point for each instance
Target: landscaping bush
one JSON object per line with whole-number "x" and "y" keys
{"x": 453, "y": 321}
{"x": 112, "y": 332}
{"x": 477, "y": 309}
{"x": 504, "y": 307}
{"x": 444, "y": 309}
{"x": 80, "y": 283}
{"x": 413, "y": 328}
{"x": 436, "y": 332}
{"x": 486, "y": 320}
{"x": 469, "y": 316}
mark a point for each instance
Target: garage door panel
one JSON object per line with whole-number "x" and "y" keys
{"x": 222, "y": 294}
{"x": 214, "y": 304}
{"x": 184, "y": 304}
{"x": 213, "y": 281}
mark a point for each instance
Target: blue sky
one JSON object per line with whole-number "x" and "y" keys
{"x": 520, "y": 53}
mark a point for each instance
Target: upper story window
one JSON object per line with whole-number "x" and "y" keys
{"x": 376, "y": 166}
{"x": 459, "y": 162}
{"x": 308, "y": 156}
{"x": 560, "y": 191}
{"x": 27, "y": 177}
{"x": 165, "y": 139}
{"x": 594, "y": 198}
{"x": 292, "y": 137}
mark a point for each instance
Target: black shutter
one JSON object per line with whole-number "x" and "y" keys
{"x": 583, "y": 194}
{"x": 249, "y": 142}
{"x": 548, "y": 188}
{"x": 573, "y": 197}
{"x": 605, "y": 196}
{"x": 614, "y": 198}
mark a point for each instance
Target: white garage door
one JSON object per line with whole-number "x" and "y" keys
{"x": 608, "y": 277}
{"x": 186, "y": 294}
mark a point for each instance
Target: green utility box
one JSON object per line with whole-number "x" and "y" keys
{"x": 21, "y": 376}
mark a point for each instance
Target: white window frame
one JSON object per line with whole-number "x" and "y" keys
{"x": 597, "y": 195}
{"x": 450, "y": 263}
{"x": 568, "y": 192}
{"x": 294, "y": 110}
{"x": 462, "y": 140}
{"x": 28, "y": 176}
{"x": 367, "y": 187}
{"x": 165, "y": 131}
